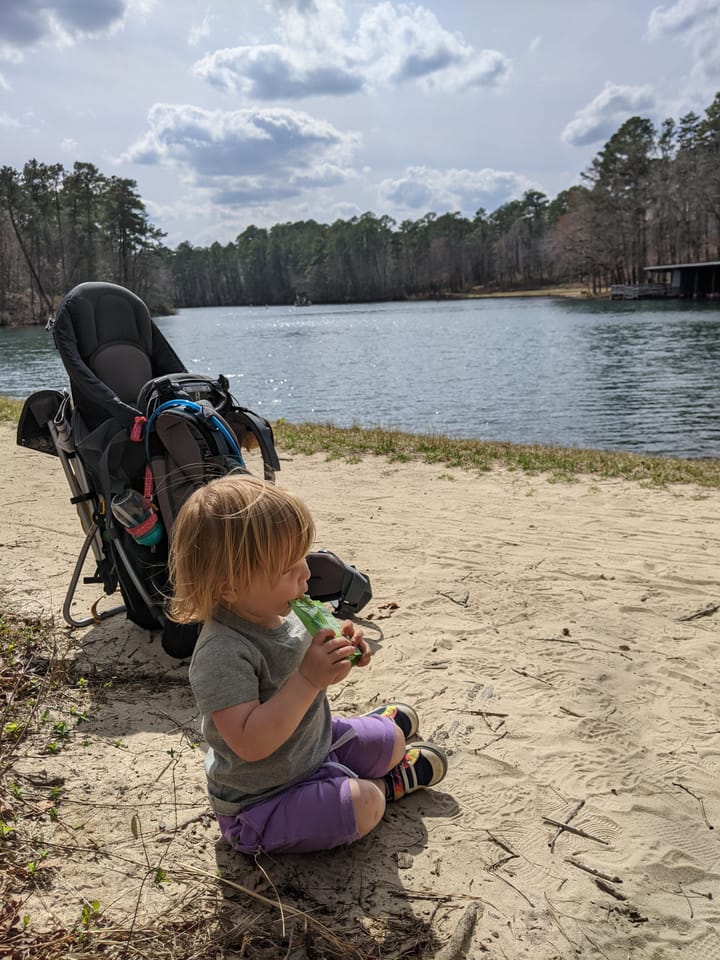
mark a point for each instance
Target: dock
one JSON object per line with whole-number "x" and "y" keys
{"x": 638, "y": 291}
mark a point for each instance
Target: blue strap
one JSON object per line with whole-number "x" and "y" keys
{"x": 212, "y": 419}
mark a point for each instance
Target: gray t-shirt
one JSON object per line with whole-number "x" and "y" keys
{"x": 236, "y": 662}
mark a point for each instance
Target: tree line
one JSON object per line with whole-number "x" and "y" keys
{"x": 650, "y": 196}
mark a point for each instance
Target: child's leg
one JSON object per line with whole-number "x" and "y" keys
{"x": 380, "y": 755}
{"x": 369, "y": 797}
{"x": 317, "y": 814}
{"x": 377, "y": 746}
{"x": 331, "y": 808}
{"x": 368, "y": 801}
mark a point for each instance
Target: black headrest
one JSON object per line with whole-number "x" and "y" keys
{"x": 110, "y": 348}
{"x": 104, "y": 313}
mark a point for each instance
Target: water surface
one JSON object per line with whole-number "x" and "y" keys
{"x": 637, "y": 376}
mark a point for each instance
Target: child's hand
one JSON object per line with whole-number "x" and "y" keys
{"x": 326, "y": 660}
{"x": 356, "y": 637}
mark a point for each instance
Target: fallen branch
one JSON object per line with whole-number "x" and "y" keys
{"x": 571, "y": 713}
{"x": 578, "y": 833}
{"x": 530, "y": 676}
{"x": 458, "y": 942}
{"x": 606, "y": 888}
{"x": 560, "y": 829}
{"x": 499, "y": 876}
{"x": 485, "y": 713}
{"x": 462, "y": 602}
{"x": 699, "y": 800}
{"x": 494, "y": 740}
{"x": 592, "y": 870}
{"x": 555, "y": 640}
{"x": 501, "y": 843}
{"x": 706, "y": 611}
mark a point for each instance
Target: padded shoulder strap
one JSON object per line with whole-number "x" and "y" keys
{"x": 261, "y": 430}
{"x": 202, "y": 412}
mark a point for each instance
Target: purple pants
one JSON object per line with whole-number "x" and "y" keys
{"x": 316, "y": 814}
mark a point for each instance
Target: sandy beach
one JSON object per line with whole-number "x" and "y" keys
{"x": 560, "y": 640}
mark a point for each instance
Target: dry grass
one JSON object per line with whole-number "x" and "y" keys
{"x": 10, "y": 410}
{"x": 574, "y": 292}
{"x": 558, "y": 463}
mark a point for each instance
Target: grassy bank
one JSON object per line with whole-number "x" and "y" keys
{"x": 559, "y": 463}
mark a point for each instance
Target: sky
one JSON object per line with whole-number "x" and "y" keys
{"x": 228, "y": 113}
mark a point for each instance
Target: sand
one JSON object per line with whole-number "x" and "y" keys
{"x": 560, "y": 640}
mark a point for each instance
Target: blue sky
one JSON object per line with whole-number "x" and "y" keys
{"x": 228, "y": 113}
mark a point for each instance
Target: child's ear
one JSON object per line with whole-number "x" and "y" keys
{"x": 226, "y": 592}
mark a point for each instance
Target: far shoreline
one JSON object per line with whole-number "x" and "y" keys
{"x": 561, "y": 292}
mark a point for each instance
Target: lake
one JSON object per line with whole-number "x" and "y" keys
{"x": 639, "y": 376}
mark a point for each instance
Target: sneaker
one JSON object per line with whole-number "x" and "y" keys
{"x": 423, "y": 765}
{"x": 402, "y": 714}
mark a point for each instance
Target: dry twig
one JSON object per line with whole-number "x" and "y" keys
{"x": 706, "y": 611}
{"x": 699, "y": 800}
{"x": 458, "y": 942}
{"x": 592, "y": 870}
{"x": 575, "y": 830}
{"x": 560, "y": 829}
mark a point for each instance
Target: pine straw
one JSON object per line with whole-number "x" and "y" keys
{"x": 222, "y": 923}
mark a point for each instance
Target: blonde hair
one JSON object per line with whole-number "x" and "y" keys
{"x": 227, "y": 532}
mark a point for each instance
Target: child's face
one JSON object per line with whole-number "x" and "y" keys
{"x": 264, "y": 601}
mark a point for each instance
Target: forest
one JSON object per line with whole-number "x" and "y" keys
{"x": 650, "y": 196}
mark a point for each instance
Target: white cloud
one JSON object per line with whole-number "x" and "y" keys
{"x": 682, "y": 17}
{"x": 424, "y": 189}
{"x": 317, "y": 55}
{"x": 246, "y": 156}
{"x": 318, "y": 25}
{"x": 600, "y": 118}
{"x": 400, "y": 44}
{"x": 696, "y": 23}
{"x": 274, "y": 72}
{"x": 28, "y": 23}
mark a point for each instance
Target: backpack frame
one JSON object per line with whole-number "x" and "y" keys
{"x": 162, "y": 440}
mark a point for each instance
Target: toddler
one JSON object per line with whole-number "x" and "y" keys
{"x": 283, "y": 774}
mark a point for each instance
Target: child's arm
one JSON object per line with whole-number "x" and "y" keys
{"x": 254, "y": 730}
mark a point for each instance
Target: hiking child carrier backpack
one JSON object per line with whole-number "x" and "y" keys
{"x": 192, "y": 431}
{"x": 136, "y": 435}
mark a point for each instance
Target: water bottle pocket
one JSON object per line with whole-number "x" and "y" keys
{"x": 149, "y": 532}
{"x": 138, "y": 516}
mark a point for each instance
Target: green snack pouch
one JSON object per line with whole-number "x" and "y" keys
{"x": 315, "y": 616}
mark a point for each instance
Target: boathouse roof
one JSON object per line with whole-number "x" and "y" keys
{"x": 681, "y": 266}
